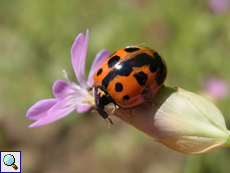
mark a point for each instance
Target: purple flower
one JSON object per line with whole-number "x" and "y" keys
{"x": 68, "y": 95}
{"x": 219, "y": 6}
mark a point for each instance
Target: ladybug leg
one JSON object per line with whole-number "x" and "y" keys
{"x": 106, "y": 117}
{"x": 93, "y": 111}
{"x": 109, "y": 121}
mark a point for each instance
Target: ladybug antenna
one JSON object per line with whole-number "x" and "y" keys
{"x": 140, "y": 44}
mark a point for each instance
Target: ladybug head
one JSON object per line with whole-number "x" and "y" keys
{"x": 104, "y": 103}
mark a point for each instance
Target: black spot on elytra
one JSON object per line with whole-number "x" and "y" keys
{"x": 146, "y": 93}
{"x": 153, "y": 68}
{"x": 162, "y": 71}
{"x": 125, "y": 98}
{"x": 113, "y": 60}
{"x": 118, "y": 87}
{"x": 141, "y": 77}
{"x": 99, "y": 71}
{"x": 131, "y": 49}
{"x": 122, "y": 71}
{"x": 124, "y": 68}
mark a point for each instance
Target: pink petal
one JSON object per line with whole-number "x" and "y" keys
{"x": 52, "y": 118}
{"x": 60, "y": 110}
{"x": 83, "y": 108}
{"x": 78, "y": 57}
{"x": 40, "y": 109}
{"x": 61, "y": 89}
{"x": 68, "y": 104}
{"x": 100, "y": 57}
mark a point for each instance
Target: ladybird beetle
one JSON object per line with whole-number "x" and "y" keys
{"x": 127, "y": 78}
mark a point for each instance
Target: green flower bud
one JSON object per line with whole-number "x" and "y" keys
{"x": 183, "y": 121}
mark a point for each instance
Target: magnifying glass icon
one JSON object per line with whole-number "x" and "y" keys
{"x": 9, "y": 160}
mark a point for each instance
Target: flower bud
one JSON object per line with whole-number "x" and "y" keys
{"x": 181, "y": 120}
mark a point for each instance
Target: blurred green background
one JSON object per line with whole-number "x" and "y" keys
{"x": 35, "y": 42}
